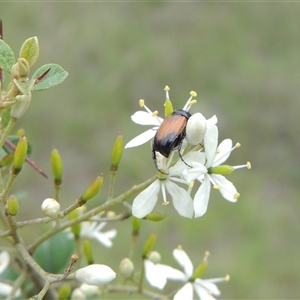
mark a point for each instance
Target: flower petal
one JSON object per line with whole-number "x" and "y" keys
{"x": 153, "y": 275}
{"x": 211, "y": 143}
{"x": 208, "y": 285}
{"x": 182, "y": 200}
{"x": 144, "y": 118}
{"x": 227, "y": 189}
{"x": 4, "y": 260}
{"x": 186, "y": 293}
{"x": 224, "y": 151}
{"x": 172, "y": 274}
{"x": 201, "y": 197}
{"x": 144, "y": 202}
{"x": 141, "y": 138}
{"x": 184, "y": 261}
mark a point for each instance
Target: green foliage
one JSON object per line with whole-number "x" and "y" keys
{"x": 7, "y": 57}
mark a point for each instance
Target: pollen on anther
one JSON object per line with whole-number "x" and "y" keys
{"x": 237, "y": 145}
{"x": 217, "y": 187}
{"x": 141, "y": 102}
{"x": 165, "y": 203}
{"x": 193, "y": 93}
{"x": 207, "y": 254}
{"x": 155, "y": 113}
{"x": 236, "y": 196}
{"x": 248, "y": 165}
{"x": 166, "y": 88}
{"x": 227, "y": 277}
{"x": 191, "y": 184}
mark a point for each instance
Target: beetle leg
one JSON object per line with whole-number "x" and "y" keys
{"x": 179, "y": 152}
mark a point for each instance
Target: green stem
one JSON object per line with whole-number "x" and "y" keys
{"x": 8, "y": 128}
{"x": 86, "y": 216}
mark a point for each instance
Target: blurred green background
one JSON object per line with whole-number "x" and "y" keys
{"x": 243, "y": 61}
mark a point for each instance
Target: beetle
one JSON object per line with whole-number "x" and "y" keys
{"x": 170, "y": 135}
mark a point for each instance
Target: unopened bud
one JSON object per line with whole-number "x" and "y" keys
{"x": 64, "y": 292}
{"x": 77, "y": 227}
{"x": 126, "y": 268}
{"x": 116, "y": 153}
{"x": 87, "y": 250}
{"x": 149, "y": 244}
{"x": 12, "y": 205}
{"x": 20, "y": 155}
{"x": 19, "y": 108}
{"x": 92, "y": 190}
{"x": 155, "y": 257}
{"x": 20, "y": 70}
{"x": 195, "y": 129}
{"x": 57, "y": 166}
{"x": 136, "y": 225}
{"x": 155, "y": 217}
{"x": 50, "y": 207}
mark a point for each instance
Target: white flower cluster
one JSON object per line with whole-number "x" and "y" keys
{"x": 202, "y": 161}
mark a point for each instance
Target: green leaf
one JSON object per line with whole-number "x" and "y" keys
{"x": 30, "y": 50}
{"x": 7, "y": 57}
{"x": 54, "y": 254}
{"x": 55, "y": 76}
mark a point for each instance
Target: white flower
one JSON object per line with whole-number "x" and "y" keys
{"x": 205, "y": 289}
{"x": 144, "y": 203}
{"x": 5, "y": 288}
{"x": 150, "y": 118}
{"x": 92, "y": 230}
{"x": 95, "y": 274}
{"x": 202, "y": 164}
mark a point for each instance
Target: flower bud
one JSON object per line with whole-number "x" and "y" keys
{"x": 90, "y": 291}
{"x": 126, "y": 268}
{"x": 78, "y": 294}
{"x": 57, "y": 166}
{"x": 20, "y": 70}
{"x": 156, "y": 217}
{"x": 19, "y": 108}
{"x": 195, "y": 129}
{"x": 149, "y": 244}
{"x": 136, "y": 225}
{"x": 64, "y": 292}
{"x": 155, "y": 257}
{"x": 50, "y": 207}
{"x": 92, "y": 190}
{"x": 95, "y": 274}
{"x": 116, "y": 153}
{"x": 20, "y": 155}
{"x": 87, "y": 250}
{"x": 77, "y": 227}
{"x": 12, "y": 205}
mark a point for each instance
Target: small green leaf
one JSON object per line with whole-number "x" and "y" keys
{"x": 7, "y": 57}
{"x": 55, "y": 76}
{"x": 30, "y": 50}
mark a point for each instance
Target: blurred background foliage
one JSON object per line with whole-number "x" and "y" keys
{"x": 243, "y": 61}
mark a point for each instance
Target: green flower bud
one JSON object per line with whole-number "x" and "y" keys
{"x": 126, "y": 268}
{"x": 77, "y": 227}
{"x": 87, "y": 250}
{"x": 64, "y": 292}
{"x": 92, "y": 190}
{"x": 136, "y": 225}
{"x": 20, "y": 155}
{"x": 6, "y": 160}
{"x": 149, "y": 244}
{"x": 20, "y": 70}
{"x": 12, "y": 205}
{"x": 222, "y": 170}
{"x": 21, "y": 105}
{"x": 156, "y": 217}
{"x": 116, "y": 153}
{"x": 57, "y": 166}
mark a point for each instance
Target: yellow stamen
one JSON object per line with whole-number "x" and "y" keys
{"x": 236, "y": 196}
{"x": 227, "y": 277}
{"x": 192, "y": 102}
{"x": 237, "y": 145}
{"x": 166, "y": 88}
{"x": 248, "y": 165}
{"x": 191, "y": 184}
{"x": 207, "y": 254}
{"x": 142, "y": 103}
{"x": 155, "y": 113}
{"x": 217, "y": 187}
{"x": 193, "y": 93}
{"x": 165, "y": 203}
